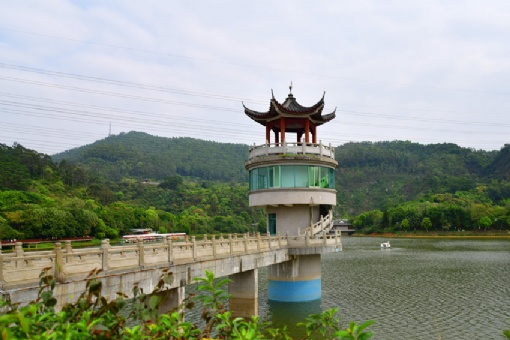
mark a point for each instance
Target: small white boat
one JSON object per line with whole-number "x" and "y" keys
{"x": 385, "y": 245}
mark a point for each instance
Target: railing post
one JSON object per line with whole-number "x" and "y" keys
{"x": 194, "y": 249}
{"x": 303, "y": 146}
{"x": 258, "y": 242}
{"x": 18, "y": 250}
{"x": 105, "y": 244}
{"x": 321, "y": 147}
{"x": 59, "y": 263}
{"x": 1, "y": 269}
{"x": 269, "y": 240}
{"x": 69, "y": 251}
{"x": 231, "y": 243}
{"x": 170, "y": 249}
{"x": 307, "y": 239}
{"x": 141, "y": 253}
{"x": 213, "y": 245}
{"x": 279, "y": 241}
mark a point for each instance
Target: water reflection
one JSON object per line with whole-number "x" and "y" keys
{"x": 290, "y": 313}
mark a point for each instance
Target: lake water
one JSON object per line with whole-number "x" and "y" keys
{"x": 418, "y": 289}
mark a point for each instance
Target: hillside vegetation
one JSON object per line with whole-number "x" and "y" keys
{"x": 139, "y": 156}
{"x": 383, "y": 174}
{"x": 183, "y": 184}
{"x": 42, "y": 199}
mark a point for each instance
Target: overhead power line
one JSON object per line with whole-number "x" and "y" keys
{"x": 261, "y": 67}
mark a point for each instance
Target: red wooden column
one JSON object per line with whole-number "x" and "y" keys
{"x": 307, "y": 131}
{"x": 268, "y": 134}
{"x": 282, "y": 128}
{"x": 314, "y": 128}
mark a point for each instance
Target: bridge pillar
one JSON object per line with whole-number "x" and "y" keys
{"x": 244, "y": 293}
{"x": 171, "y": 299}
{"x": 296, "y": 280}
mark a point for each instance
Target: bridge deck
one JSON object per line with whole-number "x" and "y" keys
{"x": 122, "y": 266}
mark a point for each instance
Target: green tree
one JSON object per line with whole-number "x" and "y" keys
{"x": 484, "y": 222}
{"x": 426, "y": 223}
{"x": 171, "y": 182}
{"x": 405, "y": 224}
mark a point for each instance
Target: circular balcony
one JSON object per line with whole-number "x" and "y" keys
{"x": 289, "y": 153}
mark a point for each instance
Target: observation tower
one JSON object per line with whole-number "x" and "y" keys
{"x": 293, "y": 179}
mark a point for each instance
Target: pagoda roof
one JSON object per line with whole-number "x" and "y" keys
{"x": 291, "y": 108}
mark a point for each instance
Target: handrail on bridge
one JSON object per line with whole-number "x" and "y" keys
{"x": 22, "y": 269}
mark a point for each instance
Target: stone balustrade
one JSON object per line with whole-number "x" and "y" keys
{"x": 291, "y": 148}
{"x": 22, "y": 269}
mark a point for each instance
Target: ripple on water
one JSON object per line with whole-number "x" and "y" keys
{"x": 419, "y": 289}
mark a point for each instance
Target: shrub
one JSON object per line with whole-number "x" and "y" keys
{"x": 93, "y": 317}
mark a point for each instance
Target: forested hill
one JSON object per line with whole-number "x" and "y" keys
{"x": 500, "y": 168}
{"x": 142, "y": 156}
{"x": 383, "y": 174}
{"x": 371, "y": 175}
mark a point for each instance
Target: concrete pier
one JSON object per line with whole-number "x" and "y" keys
{"x": 244, "y": 290}
{"x": 297, "y": 280}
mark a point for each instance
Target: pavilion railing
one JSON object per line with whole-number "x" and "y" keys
{"x": 291, "y": 148}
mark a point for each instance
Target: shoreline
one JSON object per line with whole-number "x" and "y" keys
{"x": 504, "y": 235}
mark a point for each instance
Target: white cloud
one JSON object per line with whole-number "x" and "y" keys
{"x": 428, "y": 72}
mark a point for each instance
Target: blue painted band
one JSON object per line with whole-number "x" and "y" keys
{"x": 294, "y": 291}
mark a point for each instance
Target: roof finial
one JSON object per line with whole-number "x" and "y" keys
{"x": 290, "y": 87}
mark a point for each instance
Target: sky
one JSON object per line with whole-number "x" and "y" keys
{"x": 74, "y": 72}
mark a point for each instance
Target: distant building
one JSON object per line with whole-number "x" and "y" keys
{"x": 343, "y": 226}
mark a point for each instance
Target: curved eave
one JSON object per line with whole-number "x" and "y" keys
{"x": 259, "y": 117}
{"x": 291, "y": 108}
{"x": 319, "y": 120}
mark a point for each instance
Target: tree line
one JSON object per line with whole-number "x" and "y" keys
{"x": 486, "y": 207}
{"x": 381, "y": 186}
{"x": 42, "y": 199}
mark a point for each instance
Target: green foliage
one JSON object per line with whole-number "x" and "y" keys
{"x": 93, "y": 317}
{"x": 376, "y": 176}
{"x": 471, "y": 210}
{"x": 324, "y": 324}
{"x": 139, "y": 155}
{"x": 20, "y": 166}
{"x": 507, "y": 333}
{"x": 171, "y": 182}
{"x": 385, "y": 186}
{"x": 426, "y": 223}
{"x": 355, "y": 332}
